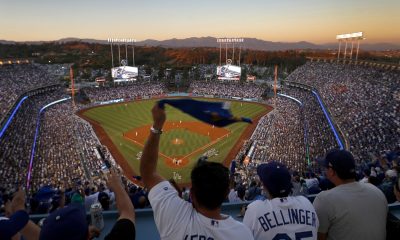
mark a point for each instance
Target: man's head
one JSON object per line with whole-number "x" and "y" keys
{"x": 276, "y": 179}
{"x": 104, "y": 200}
{"x": 241, "y": 192}
{"x": 367, "y": 172}
{"x": 210, "y": 184}
{"x": 296, "y": 176}
{"x": 340, "y": 164}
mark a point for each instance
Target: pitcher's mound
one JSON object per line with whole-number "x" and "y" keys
{"x": 177, "y": 141}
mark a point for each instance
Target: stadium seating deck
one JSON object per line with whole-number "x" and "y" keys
{"x": 146, "y": 227}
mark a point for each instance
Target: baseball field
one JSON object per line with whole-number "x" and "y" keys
{"x": 124, "y": 128}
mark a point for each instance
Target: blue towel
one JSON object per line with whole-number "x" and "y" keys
{"x": 213, "y": 113}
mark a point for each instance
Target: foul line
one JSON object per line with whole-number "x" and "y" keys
{"x": 206, "y": 146}
{"x": 138, "y": 143}
{"x": 187, "y": 156}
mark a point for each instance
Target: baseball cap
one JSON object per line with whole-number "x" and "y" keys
{"x": 45, "y": 193}
{"x": 66, "y": 223}
{"x": 102, "y": 195}
{"x": 342, "y": 162}
{"x": 276, "y": 178}
{"x": 104, "y": 200}
{"x": 391, "y": 173}
{"x": 77, "y": 198}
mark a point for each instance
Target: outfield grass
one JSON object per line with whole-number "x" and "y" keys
{"x": 117, "y": 119}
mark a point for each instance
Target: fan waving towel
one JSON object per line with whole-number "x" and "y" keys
{"x": 214, "y": 113}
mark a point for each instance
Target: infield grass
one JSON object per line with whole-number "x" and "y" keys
{"x": 190, "y": 142}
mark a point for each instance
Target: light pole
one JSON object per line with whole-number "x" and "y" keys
{"x": 349, "y": 37}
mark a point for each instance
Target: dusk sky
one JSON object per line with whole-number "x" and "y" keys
{"x": 316, "y": 21}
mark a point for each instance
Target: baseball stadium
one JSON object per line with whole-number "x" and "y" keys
{"x": 51, "y": 138}
{"x": 103, "y": 137}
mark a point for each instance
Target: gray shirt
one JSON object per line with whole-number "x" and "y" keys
{"x": 352, "y": 211}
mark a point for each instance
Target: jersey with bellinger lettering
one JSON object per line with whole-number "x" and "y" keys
{"x": 177, "y": 219}
{"x": 282, "y": 218}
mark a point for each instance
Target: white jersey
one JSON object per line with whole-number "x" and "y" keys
{"x": 282, "y": 218}
{"x": 233, "y": 197}
{"x": 176, "y": 219}
{"x": 94, "y": 198}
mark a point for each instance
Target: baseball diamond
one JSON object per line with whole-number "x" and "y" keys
{"x": 124, "y": 128}
{"x": 197, "y": 136}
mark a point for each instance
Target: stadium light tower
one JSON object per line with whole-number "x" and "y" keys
{"x": 125, "y": 41}
{"x": 349, "y": 37}
{"x": 229, "y": 41}
{"x": 71, "y": 76}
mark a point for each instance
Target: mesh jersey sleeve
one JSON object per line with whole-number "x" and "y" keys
{"x": 250, "y": 218}
{"x": 171, "y": 213}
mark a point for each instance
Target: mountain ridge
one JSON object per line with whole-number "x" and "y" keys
{"x": 249, "y": 43}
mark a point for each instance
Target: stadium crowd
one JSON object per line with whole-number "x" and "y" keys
{"x": 364, "y": 101}
{"x": 16, "y": 79}
{"x": 125, "y": 91}
{"x": 68, "y": 156}
{"x": 16, "y": 143}
{"x": 226, "y": 89}
{"x": 287, "y": 134}
{"x": 319, "y": 134}
{"x": 67, "y": 152}
{"x": 280, "y": 136}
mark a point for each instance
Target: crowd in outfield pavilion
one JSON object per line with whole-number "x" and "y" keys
{"x": 226, "y": 89}
{"x": 125, "y": 91}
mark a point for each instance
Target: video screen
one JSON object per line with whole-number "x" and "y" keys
{"x": 229, "y": 72}
{"x": 124, "y": 72}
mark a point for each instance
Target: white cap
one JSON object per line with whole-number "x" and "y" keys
{"x": 391, "y": 173}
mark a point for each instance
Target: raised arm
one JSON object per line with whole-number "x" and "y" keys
{"x": 148, "y": 161}
{"x": 31, "y": 231}
{"x": 124, "y": 204}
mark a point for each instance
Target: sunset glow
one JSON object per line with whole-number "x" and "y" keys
{"x": 315, "y": 21}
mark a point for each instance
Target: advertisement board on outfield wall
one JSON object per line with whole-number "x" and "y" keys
{"x": 229, "y": 72}
{"x": 111, "y": 101}
{"x": 178, "y": 94}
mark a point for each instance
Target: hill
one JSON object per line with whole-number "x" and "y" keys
{"x": 249, "y": 43}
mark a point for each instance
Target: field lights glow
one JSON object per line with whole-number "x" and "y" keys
{"x": 350, "y": 35}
